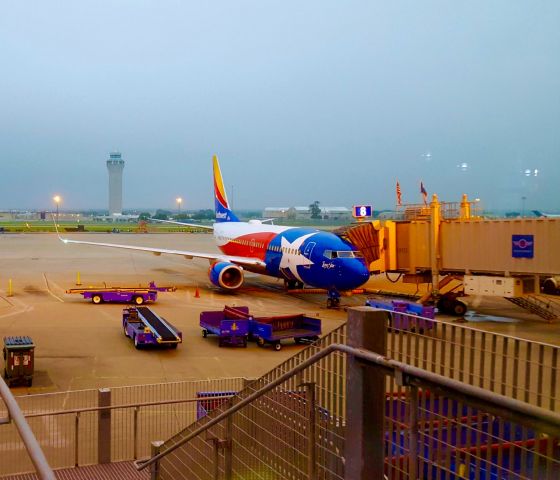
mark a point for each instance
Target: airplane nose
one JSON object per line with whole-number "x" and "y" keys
{"x": 359, "y": 274}
{"x": 363, "y": 273}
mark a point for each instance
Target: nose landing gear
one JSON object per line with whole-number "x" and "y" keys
{"x": 333, "y": 299}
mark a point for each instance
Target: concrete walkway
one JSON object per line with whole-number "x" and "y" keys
{"x": 109, "y": 471}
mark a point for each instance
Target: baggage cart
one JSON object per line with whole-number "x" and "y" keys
{"x": 231, "y": 325}
{"x": 272, "y": 330}
{"x": 405, "y": 316}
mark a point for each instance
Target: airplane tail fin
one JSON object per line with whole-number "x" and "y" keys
{"x": 538, "y": 213}
{"x": 223, "y": 212}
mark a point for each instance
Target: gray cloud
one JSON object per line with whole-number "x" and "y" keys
{"x": 302, "y": 101}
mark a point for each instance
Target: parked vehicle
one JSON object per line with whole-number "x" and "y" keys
{"x": 136, "y": 295}
{"x": 405, "y": 315}
{"x": 272, "y": 330}
{"x": 145, "y": 328}
{"x": 265, "y": 330}
{"x": 231, "y": 325}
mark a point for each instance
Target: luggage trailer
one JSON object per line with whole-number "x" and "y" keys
{"x": 144, "y": 327}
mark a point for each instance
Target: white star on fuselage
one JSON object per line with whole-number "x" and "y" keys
{"x": 292, "y": 260}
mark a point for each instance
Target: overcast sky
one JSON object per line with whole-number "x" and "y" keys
{"x": 301, "y": 100}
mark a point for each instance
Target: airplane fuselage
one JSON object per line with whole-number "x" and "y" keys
{"x": 309, "y": 256}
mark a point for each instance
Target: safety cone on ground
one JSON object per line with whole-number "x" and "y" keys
{"x": 196, "y": 293}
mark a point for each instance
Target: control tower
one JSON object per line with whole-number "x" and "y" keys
{"x": 115, "y": 166}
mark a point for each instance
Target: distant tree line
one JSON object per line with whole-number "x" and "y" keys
{"x": 206, "y": 214}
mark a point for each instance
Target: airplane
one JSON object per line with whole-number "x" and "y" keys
{"x": 299, "y": 256}
{"x": 538, "y": 213}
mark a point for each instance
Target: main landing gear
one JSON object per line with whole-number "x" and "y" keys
{"x": 293, "y": 284}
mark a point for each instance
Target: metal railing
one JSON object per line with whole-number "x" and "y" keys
{"x": 448, "y": 211}
{"x": 511, "y": 366}
{"x": 32, "y": 447}
{"x": 522, "y": 369}
{"x": 294, "y": 422}
{"x": 73, "y": 428}
{"x": 517, "y": 368}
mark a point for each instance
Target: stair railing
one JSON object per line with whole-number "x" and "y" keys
{"x": 31, "y": 444}
{"x": 407, "y": 375}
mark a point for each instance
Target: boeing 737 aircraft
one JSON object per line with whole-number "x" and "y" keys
{"x": 300, "y": 256}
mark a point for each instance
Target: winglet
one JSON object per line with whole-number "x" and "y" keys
{"x": 63, "y": 240}
{"x": 223, "y": 211}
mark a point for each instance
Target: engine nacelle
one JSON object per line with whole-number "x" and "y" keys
{"x": 226, "y": 275}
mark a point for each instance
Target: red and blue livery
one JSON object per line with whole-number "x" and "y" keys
{"x": 299, "y": 256}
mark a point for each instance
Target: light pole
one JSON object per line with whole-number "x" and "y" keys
{"x": 523, "y": 198}
{"x": 179, "y": 200}
{"x": 57, "y": 199}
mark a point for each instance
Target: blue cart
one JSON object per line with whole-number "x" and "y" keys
{"x": 231, "y": 325}
{"x": 405, "y": 315}
{"x": 272, "y": 330}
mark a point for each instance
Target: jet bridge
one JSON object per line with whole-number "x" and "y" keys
{"x": 494, "y": 257}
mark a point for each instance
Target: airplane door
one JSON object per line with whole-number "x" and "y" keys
{"x": 307, "y": 252}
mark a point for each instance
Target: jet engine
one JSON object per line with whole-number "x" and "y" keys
{"x": 226, "y": 275}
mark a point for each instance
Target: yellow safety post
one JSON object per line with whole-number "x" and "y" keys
{"x": 465, "y": 212}
{"x": 10, "y": 288}
{"x": 435, "y": 224}
{"x": 78, "y": 279}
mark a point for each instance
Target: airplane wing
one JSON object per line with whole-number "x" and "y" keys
{"x": 211, "y": 257}
{"x": 173, "y": 222}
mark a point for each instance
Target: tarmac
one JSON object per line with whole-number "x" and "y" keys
{"x": 80, "y": 345}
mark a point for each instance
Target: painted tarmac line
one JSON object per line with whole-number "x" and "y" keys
{"x": 20, "y": 307}
{"x": 49, "y": 289}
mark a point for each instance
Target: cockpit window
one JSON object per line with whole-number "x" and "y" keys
{"x": 342, "y": 254}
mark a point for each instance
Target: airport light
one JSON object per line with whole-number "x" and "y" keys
{"x": 57, "y": 199}
{"x": 179, "y": 201}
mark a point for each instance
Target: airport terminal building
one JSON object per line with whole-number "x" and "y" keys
{"x": 304, "y": 213}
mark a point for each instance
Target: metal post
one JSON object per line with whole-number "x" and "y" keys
{"x": 136, "y": 433}
{"x": 312, "y": 431}
{"x": 216, "y": 450}
{"x": 228, "y": 457}
{"x": 154, "y": 468}
{"x": 413, "y": 425}
{"x": 435, "y": 220}
{"x": 365, "y": 396}
{"x": 77, "y": 439}
{"x": 104, "y": 426}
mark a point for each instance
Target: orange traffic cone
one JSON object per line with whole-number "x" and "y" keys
{"x": 196, "y": 293}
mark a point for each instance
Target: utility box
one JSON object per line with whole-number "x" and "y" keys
{"x": 19, "y": 361}
{"x": 508, "y": 287}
